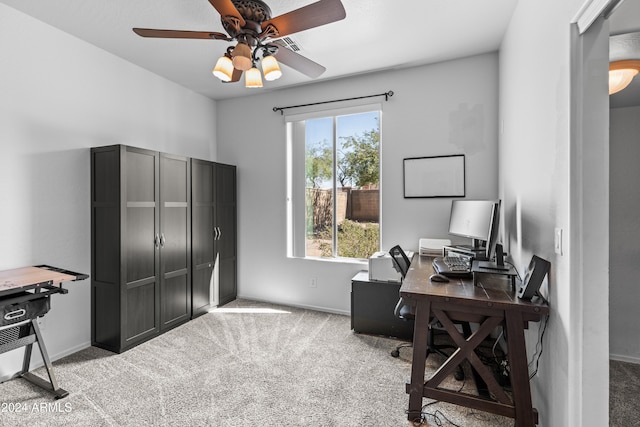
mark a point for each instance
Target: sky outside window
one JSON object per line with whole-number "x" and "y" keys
{"x": 318, "y": 130}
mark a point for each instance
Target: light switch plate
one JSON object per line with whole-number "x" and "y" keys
{"x": 557, "y": 241}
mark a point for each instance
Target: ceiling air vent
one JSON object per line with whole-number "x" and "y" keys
{"x": 289, "y": 43}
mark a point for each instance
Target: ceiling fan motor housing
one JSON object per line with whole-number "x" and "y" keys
{"x": 254, "y": 12}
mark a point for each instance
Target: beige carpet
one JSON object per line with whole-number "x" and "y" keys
{"x": 624, "y": 392}
{"x": 248, "y": 364}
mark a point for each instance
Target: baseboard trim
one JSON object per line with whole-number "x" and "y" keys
{"x": 623, "y": 358}
{"x": 291, "y": 304}
{"x": 38, "y": 363}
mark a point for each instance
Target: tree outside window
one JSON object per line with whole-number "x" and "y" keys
{"x": 342, "y": 171}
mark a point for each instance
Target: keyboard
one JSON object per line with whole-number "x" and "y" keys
{"x": 456, "y": 262}
{"x": 452, "y": 266}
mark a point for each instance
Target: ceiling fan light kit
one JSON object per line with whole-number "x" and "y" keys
{"x": 242, "y": 57}
{"x": 270, "y": 68}
{"x": 249, "y": 23}
{"x": 621, "y": 73}
{"x": 252, "y": 78}
{"x": 224, "y": 68}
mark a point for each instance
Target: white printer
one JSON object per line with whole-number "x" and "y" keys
{"x": 381, "y": 267}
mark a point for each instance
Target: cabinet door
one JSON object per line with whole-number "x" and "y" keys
{"x": 202, "y": 236}
{"x": 106, "y": 288}
{"x": 225, "y": 219}
{"x": 175, "y": 240}
{"x": 140, "y": 255}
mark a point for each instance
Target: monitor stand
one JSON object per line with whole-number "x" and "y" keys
{"x": 498, "y": 265}
{"x": 490, "y": 265}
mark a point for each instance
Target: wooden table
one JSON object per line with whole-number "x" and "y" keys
{"x": 24, "y": 296}
{"x": 490, "y": 303}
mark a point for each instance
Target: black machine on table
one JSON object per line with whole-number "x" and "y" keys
{"x": 24, "y": 296}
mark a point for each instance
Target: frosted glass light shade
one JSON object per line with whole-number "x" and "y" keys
{"x": 270, "y": 68}
{"x": 223, "y": 69}
{"x": 242, "y": 57}
{"x": 621, "y": 73}
{"x": 252, "y": 78}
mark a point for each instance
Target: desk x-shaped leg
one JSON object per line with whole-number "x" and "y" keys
{"x": 466, "y": 351}
{"x": 520, "y": 406}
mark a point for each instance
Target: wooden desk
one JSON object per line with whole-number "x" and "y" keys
{"x": 24, "y": 296}
{"x": 490, "y": 303}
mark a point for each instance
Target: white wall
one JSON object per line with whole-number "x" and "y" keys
{"x": 445, "y": 108}
{"x": 537, "y": 186}
{"x": 59, "y": 97}
{"x": 624, "y": 205}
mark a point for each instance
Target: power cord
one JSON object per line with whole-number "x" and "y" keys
{"x": 541, "y": 331}
{"x": 437, "y": 415}
{"x": 493, "y": 349}
{"x": 514, "y": 269}
{"x": 539, "y": 347}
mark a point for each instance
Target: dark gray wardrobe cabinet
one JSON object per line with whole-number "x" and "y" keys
{"x": 214, "y": 235}
{"x": 141, "y": 245}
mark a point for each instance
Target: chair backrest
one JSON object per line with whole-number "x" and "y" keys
{"x": 403, "y": 311}
{"x": 400, "y": 260}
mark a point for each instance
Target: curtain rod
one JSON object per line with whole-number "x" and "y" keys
{"x": 386, "y": 98}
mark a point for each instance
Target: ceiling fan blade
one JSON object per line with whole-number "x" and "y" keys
{"x": 226, "y": 8}
{"x": 314, "y": 15}
{"x": 298, "y": 62}
{"x": 177, "y": 34}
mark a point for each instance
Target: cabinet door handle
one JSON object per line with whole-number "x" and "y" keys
{"x": 215, "y": 233}
{"x": 219, "y": 233}
{"x": 162, "y": 240}
{"x": 156, "y": 241}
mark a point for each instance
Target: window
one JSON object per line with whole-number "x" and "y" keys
{"x": 334, "y": 184}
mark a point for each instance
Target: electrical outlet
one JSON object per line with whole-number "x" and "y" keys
{"x": 313, "y": 283}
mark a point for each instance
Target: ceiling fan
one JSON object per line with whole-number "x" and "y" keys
{"x": 249, "y": 23}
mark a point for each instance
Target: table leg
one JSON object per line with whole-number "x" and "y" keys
{"x": 519, "y": 370}
{"x": 420, "y": 335}
{"x": 52, "y": 385}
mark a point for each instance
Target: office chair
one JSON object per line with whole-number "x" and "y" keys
{"x": 400, "y": 260}
{"x": 404, "y": 311}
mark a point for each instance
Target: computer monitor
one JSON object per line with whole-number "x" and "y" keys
{"x": 477, "y": 220}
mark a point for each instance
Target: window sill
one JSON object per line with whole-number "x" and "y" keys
{"x": 354, "y": 261}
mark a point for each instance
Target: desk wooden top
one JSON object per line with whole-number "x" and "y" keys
{"x": 491, "y": 290}
{"x": 30, "y": 277}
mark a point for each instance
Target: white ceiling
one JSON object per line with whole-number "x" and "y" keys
{"x": 375, "y": 35}
{"x": 624, "y": 43}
